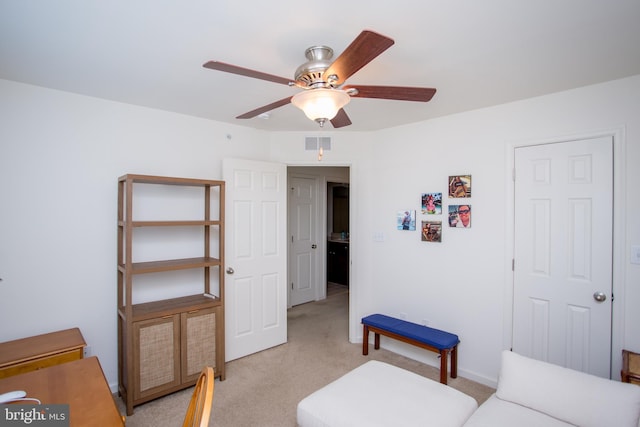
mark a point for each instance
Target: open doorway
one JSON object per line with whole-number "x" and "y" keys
{"x": 338, "y": 238}
{"x": 317, "y": 221}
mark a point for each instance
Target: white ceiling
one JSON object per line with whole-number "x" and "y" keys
{"x": 477, "y": 53}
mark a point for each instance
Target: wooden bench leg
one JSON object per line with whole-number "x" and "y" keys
{"x": 454, "y": 362}
{"x": 444, "y": 358}
{"x": 365, "y": 340}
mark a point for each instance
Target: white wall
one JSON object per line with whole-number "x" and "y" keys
{"x": 463, "y": 284}
{"x": 60, "y": 157}
{"x": 61, "y": 154}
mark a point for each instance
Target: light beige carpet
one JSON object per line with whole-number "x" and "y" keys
{"x": 263, "y": 389}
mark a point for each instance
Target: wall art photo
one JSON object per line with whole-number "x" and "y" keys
{"x": 431, "y": 203}
{"x": 460, "y": 216}
{"x": 406, "y": 220}
{"x": 431, "y": 231}
{"x": 459, "y": 186}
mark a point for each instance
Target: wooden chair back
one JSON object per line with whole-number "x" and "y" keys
{"x": 199, "y": 410}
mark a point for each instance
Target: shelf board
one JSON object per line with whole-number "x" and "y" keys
{"x": 151, "y": 179}
{"x": 171, "y": 265}
{"x": 169, "y": 307}
{"x": 172, "y": 223}
{"x": 190, "y": 223}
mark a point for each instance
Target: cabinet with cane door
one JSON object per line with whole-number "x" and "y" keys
{"x": 170, "y": 284}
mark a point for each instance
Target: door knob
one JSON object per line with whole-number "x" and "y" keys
{"x": 599, "y": 296}
{"x": 230, "y": 270}
{"x": 314, "y": 246}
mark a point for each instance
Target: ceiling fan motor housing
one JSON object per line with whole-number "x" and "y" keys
{"x": 310, "y": 74}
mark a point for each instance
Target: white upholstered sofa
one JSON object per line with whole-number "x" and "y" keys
{"x": 534, "y": 393}
{"x": 530, "y": 393}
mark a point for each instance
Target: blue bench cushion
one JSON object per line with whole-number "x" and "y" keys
{"x": 434, "y": 337}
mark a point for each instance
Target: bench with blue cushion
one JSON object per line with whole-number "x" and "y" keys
{"x": 435, "y": 340}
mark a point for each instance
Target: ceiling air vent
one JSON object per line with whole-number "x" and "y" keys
{"x": 314, "y": 143}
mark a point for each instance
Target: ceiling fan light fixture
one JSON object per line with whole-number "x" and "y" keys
{"x": 321, "y": 104}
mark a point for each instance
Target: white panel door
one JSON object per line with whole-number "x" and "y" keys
{"x": 302, "y": 227}
{"x": 563, "y": 249}
{"x": 256, "y": 256}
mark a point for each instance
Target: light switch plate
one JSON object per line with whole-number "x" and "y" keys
{"x": 378, "y": 236}
{"x": 635, "y": 254}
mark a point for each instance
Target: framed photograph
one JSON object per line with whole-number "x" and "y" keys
{"x": 431, "y": 203}
{"x": 460, "y": 216}
{"x": 432, "y": 231}
{"x": 406, "y": 220}
{"x": 459, "y": 186}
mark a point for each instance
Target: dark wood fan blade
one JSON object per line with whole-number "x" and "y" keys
{"x": 341, "y": 119}
{"x": 401, "y": 93}
{"x": 234, "y": 69}
{"x": 265, "y": 108}
{"x": 359, "y": 53}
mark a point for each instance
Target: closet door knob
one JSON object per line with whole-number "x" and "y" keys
{"x": 230, "y": 270}
{"x": 599, "y": 296}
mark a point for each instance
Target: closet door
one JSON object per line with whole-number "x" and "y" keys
{"x": 563, "y": 254}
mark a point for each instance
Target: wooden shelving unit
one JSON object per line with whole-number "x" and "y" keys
{"x": 164, "y": 344}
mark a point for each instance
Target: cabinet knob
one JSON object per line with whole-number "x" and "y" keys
{"x": 230, "y": 270}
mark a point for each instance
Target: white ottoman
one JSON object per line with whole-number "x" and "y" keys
{"x": 379, "y": 394}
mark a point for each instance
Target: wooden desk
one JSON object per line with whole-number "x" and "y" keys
{"x": 80, "y": 383}
{"x": 28, "y": 354}
{"x": 630, "y": 367}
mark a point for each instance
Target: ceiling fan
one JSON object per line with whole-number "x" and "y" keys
{"x": 324, "y": 95}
